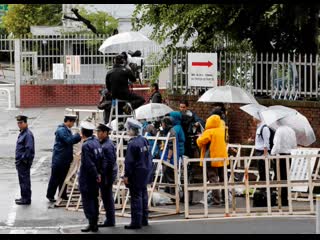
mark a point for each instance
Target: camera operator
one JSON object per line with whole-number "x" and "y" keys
{"x": 117, "y": 82}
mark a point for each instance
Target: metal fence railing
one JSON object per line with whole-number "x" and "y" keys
{"x": 272, "y": 75}
{"x": 278, "y": 76}
{"x": 39, "y": 53}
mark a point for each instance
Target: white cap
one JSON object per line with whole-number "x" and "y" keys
{"x": 70, "y": 115}
{"x": 87, "y": 125}
{"x": 131, "y": 122}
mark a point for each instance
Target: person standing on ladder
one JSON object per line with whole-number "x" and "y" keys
{"x": 117, "y": 83}
{"x": 109, "y": 173}
{"x": 62, "y": 156}
{"x": 138, "y": 170}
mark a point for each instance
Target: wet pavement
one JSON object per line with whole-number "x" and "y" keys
{"x": 39, "y": 217}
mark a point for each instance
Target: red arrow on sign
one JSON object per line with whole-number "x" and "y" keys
{"x": 202, "y": 64}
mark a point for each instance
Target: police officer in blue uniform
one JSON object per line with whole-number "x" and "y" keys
{"x": 62, "y": 156}
{"x": 109, "y": 173}
{"x": 90, "y": 175}
{"x": 24, "y": 159}
{"x": 138, "y": 169}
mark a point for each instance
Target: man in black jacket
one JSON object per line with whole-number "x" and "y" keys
{"x": 155, "y": 95}
{"x": 117, "y": 82}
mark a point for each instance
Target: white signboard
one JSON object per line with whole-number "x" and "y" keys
{"x": 73, "y": 65}
{"x": 164, "y": 78}
{"x": 58, "y": 71}
{"x": 299, "y": 167}
{"x": 202, "y": 69}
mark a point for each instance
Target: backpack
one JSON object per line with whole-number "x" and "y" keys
{"x": 272, "y": 132}
{"x": 260, "y": 199}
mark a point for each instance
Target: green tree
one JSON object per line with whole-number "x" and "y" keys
{"x": 104, "y": 23}
{"x": 20, "y": 17}
{"x": 98, "y": 22}
{"x": 267, "y": 26}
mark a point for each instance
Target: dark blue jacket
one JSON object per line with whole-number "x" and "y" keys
{"x": 90, "y": 168}
{"x": 25, "y": 147}
{"x": 180, "y": 138}
{"x": 138, "y": 162}
{"x": 63, "y": 146}
{"x": 109, "y": 163}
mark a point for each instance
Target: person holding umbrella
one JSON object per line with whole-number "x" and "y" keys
{"x": 284, "y": 141}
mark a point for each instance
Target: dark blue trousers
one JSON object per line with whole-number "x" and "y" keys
{"x": 58, "y": 175}
{"x": 90, "y": 205}
{"x": 24, "y": 180}
{"x": 139, "y": 205}
{"x": 108, "y": 202}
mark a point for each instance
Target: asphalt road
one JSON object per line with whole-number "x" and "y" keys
{"x": 40, "y": 218}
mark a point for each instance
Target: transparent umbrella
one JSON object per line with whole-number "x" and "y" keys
{"x": 277, "y": 116}
{"x": 227, "y": 94}
{"x": 253, "y": 109}
{"x": 274, "y": 113}
{"x": 126, "y": 41}
{"x": 152, "y": 110}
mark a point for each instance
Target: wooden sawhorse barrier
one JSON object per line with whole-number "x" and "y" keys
{"x": 121, "y": 193}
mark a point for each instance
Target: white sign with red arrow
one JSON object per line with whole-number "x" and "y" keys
{"x": 202, "y": 69}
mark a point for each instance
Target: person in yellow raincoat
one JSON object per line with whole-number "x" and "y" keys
{"x": 212, "y": 144}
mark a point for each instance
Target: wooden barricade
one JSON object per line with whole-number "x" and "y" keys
{"x": 121, "y": 193}
{"x": 95, "y": 114}
{"x": 246, "y": 209}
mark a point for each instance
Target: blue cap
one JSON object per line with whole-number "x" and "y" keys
{"x": 21, "y": 118}
{"x": 104, "y": 127}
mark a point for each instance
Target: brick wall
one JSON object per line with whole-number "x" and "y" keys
{"x": 240, "y": 123}
{"x": 65, "y": 95}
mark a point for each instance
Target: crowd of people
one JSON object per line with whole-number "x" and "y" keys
{"x": 195, "y": 138}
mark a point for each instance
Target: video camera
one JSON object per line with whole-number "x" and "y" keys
{"x": 134, "y": 61}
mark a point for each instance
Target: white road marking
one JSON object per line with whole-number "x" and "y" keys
{"x": 21, "y": 231}
{"x": 300, "y": 217}
{"x": 12, "y": 214}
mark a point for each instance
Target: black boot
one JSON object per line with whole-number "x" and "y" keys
{"x": 93, "y": 227}
{"x": 131, "y": 227}
{"x": 86, "y": 229}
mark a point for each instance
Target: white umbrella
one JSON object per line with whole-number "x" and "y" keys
{"x": 126, "y": 41}
{"x": 300, "y": 124}
{"x": 254, "y": 110}
{"x": 227, "y": 94}
{"x": 276, "y": 116}
{"x": 274, "y": 113}
{"x": 152, "y": 110}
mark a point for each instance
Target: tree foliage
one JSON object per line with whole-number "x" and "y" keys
{"x": 104, "y": 22}
{"x": 20, "y": 17}
{"x": 267, "y": 26}
{"x": 100, "y": 22}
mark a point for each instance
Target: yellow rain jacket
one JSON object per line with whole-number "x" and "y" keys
{"x": 214, "y": 134}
